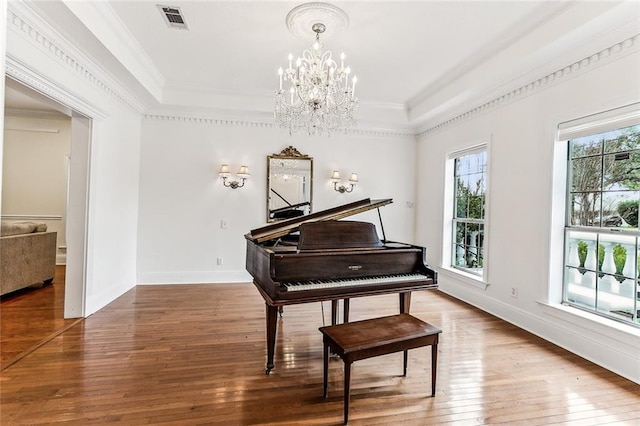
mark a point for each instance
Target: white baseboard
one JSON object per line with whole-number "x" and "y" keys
{"x": 193, "y": 277}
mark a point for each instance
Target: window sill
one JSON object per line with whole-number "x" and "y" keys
{"x": 593, "y": 323}
{"x": 465, "y": 277}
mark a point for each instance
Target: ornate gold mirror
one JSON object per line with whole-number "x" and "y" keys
{"x": 289, "y": 184}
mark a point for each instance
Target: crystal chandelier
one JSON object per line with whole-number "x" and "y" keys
{"x": 315, "y": 93}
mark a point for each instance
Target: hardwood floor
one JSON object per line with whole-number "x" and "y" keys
{"x": 29, "y": 317}
{"x": 195, "y": 354}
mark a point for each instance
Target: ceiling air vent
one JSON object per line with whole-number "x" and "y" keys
{"x": 173, "y": 17}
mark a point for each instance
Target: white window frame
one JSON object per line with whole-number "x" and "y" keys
{"x": 476, "y": 280}
{"x": 590, "y": 125}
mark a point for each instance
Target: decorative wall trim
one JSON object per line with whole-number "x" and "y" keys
{"x": 31, "y": 217}
{"x": 108, "y": 28}
{"x": 34, "y": 80}
{"x": 532, "y": 21}
{"x": 208, "y": 121}
{"x": 61, "y": 259}
{"x": 57, "y": 47}
{"x": 33, "y": 130}
{"x": 264, "y": 125}
{"x": 381, "y": 132}
{"x": 32, "y": 113}
{"x": 569, "y": 71}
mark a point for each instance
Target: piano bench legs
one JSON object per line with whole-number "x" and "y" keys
{"x": 379, "y": 336}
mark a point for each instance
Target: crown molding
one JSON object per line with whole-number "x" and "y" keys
{"x": 100, "y": 18}
{"x": 36, "y": 81}
{"x": 543, "y": 14}
{"x": 376, "y": 117}
{"x": 24, "y": 21}
{"x": 265, "y": 120}
{"x": 262, "y": 122}
{"x": 610, "y": 54}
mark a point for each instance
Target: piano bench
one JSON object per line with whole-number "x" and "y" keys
{"x": 358, "y": 340}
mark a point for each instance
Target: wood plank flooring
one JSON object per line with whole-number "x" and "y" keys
{"x": 195, "y": 354}
{"x": 31, "y": 316}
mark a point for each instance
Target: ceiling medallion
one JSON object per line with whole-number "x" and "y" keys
{"x": 301, "y": 19}
{"x": 319, "y": 94}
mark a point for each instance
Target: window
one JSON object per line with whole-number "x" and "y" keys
{"x": 602, "y": 254}
{"x": 469, "y": 195}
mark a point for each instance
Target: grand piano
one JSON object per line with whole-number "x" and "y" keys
{"x": 317, "y": 257}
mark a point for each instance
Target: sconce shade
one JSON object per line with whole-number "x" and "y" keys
{"x": 224, "y": 170}
{"x": 341, "y": 187}
{"x": 244, "y": 172}
{"x": 241, "y": 177}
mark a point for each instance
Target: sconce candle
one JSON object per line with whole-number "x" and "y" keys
{"x": 335, "y": 177}
{"x": 242, "y": 176}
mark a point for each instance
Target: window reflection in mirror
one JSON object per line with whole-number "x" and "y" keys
{"x": 289, "y": 184}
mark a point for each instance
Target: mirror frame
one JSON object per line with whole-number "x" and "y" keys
{"x": 289, "y": 153}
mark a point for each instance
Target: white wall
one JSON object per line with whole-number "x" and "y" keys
{"x": 43, "y": 59}
{"x": 34, "y": 172}
{"x": 182, "y": 200}
{"x": 523, "y": 246}
{"x": 3, "y": 54}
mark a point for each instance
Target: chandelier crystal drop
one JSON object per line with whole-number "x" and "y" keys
{"x": 315, "y": 92}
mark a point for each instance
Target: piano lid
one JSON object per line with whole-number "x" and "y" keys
{"x": 285, "y": 227}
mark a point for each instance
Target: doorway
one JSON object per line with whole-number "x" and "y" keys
{"x": 20, "y": 96}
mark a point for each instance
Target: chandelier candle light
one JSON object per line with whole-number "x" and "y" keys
{"x": 319, "y": 95}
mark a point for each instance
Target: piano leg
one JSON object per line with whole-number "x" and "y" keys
{"x": 334, "y": 312}
{"x": 405, "y": 302}
{"x": 272, "y": 323}
{"x": 346, "y": 310}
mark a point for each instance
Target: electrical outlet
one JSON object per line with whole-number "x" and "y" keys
{"x": 220, "y": 261}
{"x": 224, "y": 223}
{"x": 514, "y": 292}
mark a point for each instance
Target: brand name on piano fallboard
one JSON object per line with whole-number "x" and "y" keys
{"x": 355, "y": 267}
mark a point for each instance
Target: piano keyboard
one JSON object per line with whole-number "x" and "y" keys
{"x": 321, "y": 284}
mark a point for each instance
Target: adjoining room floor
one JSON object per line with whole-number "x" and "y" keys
{"x": 30, "y": 316}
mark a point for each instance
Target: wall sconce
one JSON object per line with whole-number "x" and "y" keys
{"x": 242, "y": 175}
{"x": 335, "y": 177}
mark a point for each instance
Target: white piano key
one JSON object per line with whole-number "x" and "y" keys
{"x": 321, "y": 284}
